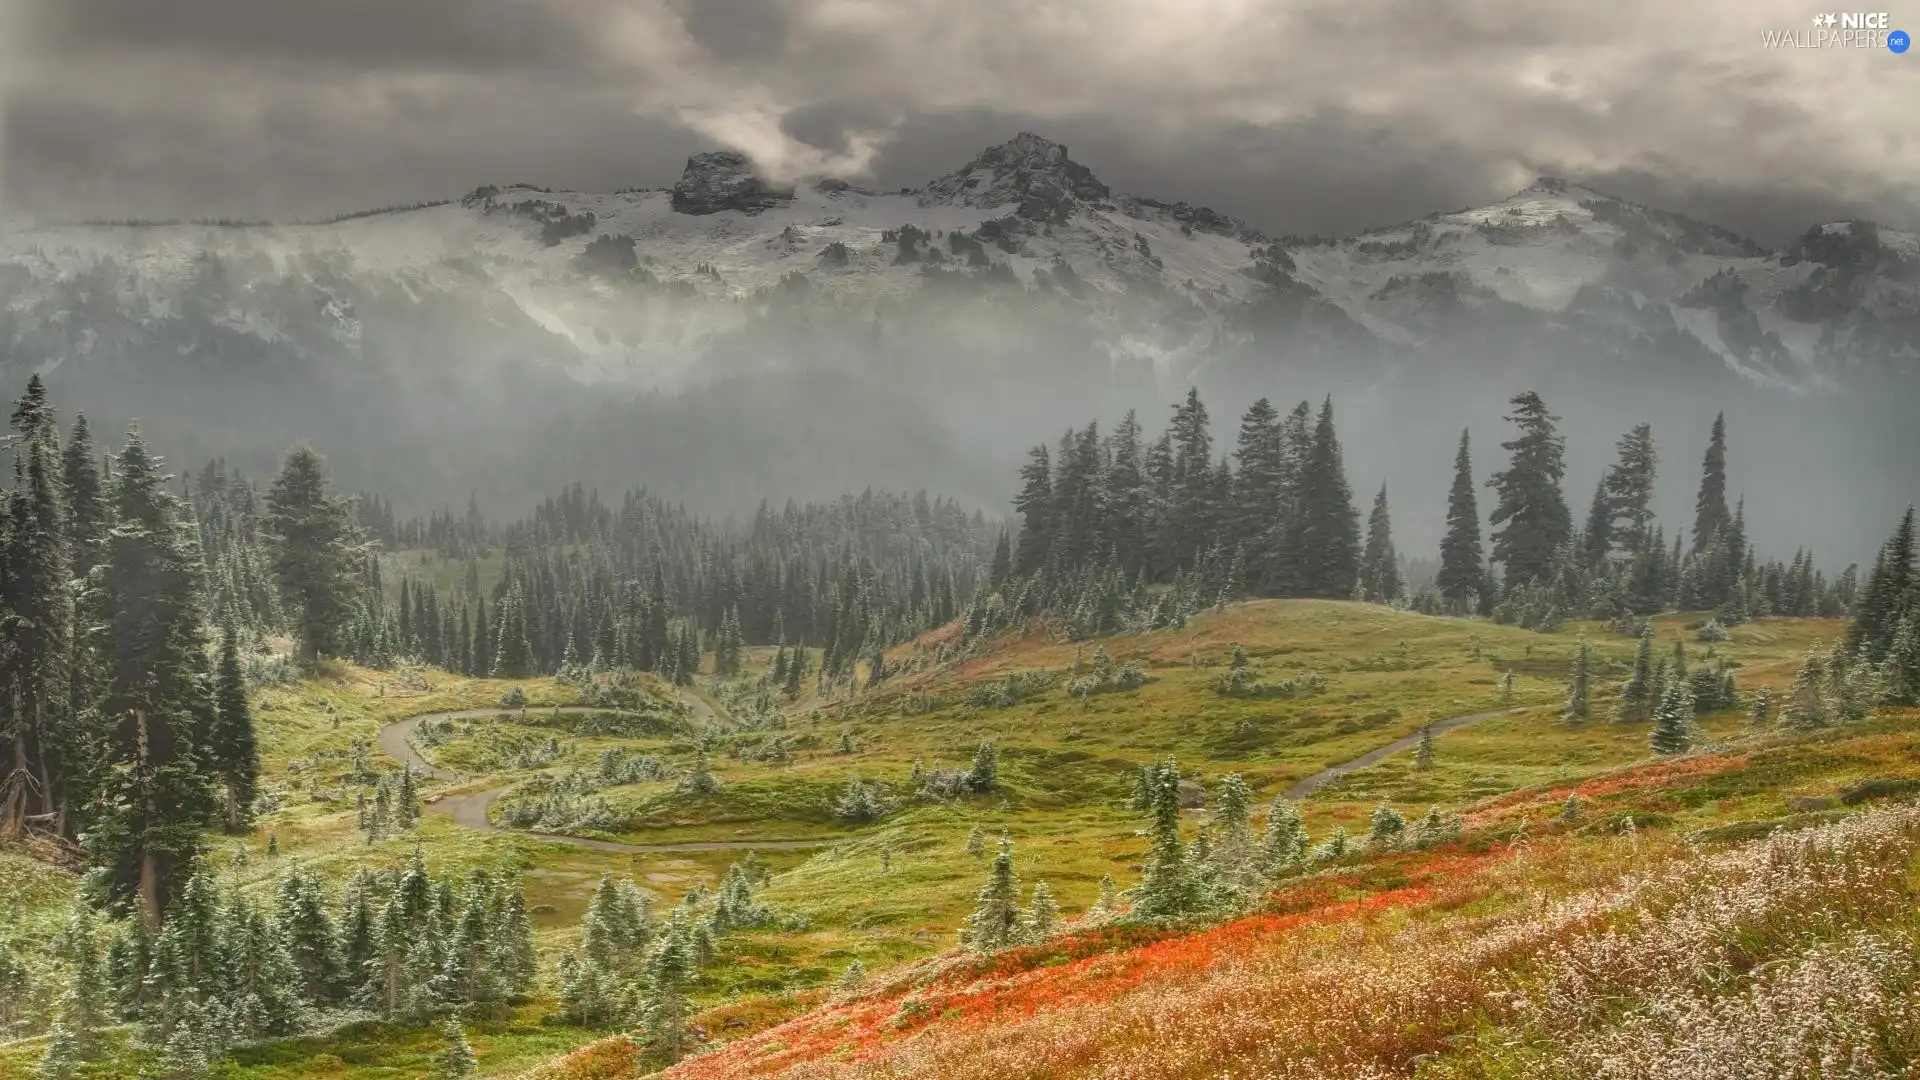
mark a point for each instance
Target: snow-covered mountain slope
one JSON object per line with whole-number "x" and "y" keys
{"x": 636, "y": 287}
{"x": 812, "y": 339}
{"x": 1814, "y": 311}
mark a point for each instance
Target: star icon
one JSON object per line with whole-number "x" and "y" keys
{"x": 1819, "y": 20}
{"x": 1831, "y": 20}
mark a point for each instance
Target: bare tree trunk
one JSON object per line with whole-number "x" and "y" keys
{"x": 13, "y": 813}
{"x": 150, "y": 887}
{"x": 43, "y": 758}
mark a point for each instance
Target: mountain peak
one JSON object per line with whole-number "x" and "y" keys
{"x": 724, "y": 180}
{"x": 1028, "y": 171}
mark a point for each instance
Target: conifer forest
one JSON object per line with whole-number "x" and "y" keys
{"x": 611, "y": 787}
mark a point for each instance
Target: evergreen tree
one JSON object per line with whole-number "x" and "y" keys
{"x": 231, "y": 752}
{"x": 514, "y": 961}
{"x": 853, "y": 978}
{"x": 1286, "y": 836}
{"x": 1531, "y": 515}
{"x": 1168, "y": 889}
{"x": 87, "y": 511}
{"x": 1637, "y": 693}
{"x": 796, "y": 671}
{"x": 1710, "y": 517}
{"x": 406, "y": 800}
{"x": 1889, "y": 595}
{"x": 1328, "y": 542}
{"x": 456, "y": 1059}
{"x": 1124, "y": 495}
{"x": 1192, "y": 515}
{"x": 1423, "y": 756}
{"x": 1043, "y": 916}
{"x": 1903, "y": 662}
{"x": 316, "y": 551}
{"x": 1673, "y": 720}
{"x": 1629, "y": 491}
{"x": 1598, "y": 535}
{"x": 311, "y": 938}
{"x": 1380, "y": 565}
{"x": 1233, "y": 805}
{"x": 670, "y": 966}
{"x": 996, "y": 920}
{"x": 36, "y": 640}
{"x": 257, "y": 995}
{"x": 1260, "y": 486}
{"x": 1580, "y": 682}
{"x": 1035, "y": 506}
{"x": 985, "y": 773}
{"x": 185, "y": 1053}
{"x": 615, "y": 931}
{"x": 1388, "y": 828}
{"x": 1807, "y": 705}
{"x": 156, "y": 696}
{"x": 513, "y": 655}
{"x": 1461, "y": 576}
{"x": 82, "y": 1010}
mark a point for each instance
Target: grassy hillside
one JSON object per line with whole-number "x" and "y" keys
{"x": 891, "y": 892}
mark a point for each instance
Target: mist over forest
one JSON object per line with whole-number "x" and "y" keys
{"x": 729, "y": 340}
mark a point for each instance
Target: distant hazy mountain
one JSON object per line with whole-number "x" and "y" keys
{"x": 485, "y": 337}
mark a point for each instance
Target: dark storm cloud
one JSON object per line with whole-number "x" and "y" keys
{"x": 738, "y": 30}
{"x": 475, "y": 34}
{"x": 1306, "y": 116}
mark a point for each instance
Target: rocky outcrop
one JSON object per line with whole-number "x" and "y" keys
{"x": 725, "y": 180}
{"x": 1028, "y": 172}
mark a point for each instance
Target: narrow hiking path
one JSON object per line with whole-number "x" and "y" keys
{"x": 469, "y": 809}
{"x": 1373, "y": 757}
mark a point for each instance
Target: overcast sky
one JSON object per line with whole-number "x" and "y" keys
{"x": 1311, "y": 117}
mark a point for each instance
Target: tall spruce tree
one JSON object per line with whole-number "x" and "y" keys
{"x": 513, "y": 654}
{"x": 36, "y": 640}
{"x": 1193, "y": 509}
{"x": 1580, "y": 681}
{"x": 231, "y": 750}
{"x": 1629, "y": 488}
{"x": 87, "y": 517}
{"x": 316, "y": 553}
{"x": 1380, "y": 565}
{"x": 1462, "y": 570}
{"x": 1637, "y": 693}
{"x": 1531, "y": 517}
{"x": 996, "y": 919}
{"x": 1710, "y": 517}
{"x": 1125, "y": 494}
{"x": 1035, "y": 506}
{"x": 1598, "y": 535}
{"x": 1889, "y": 594}
{"x": 1259, "y": 488}
{"x": 157, "y": 684}
{"x": 1329, "y": 534}
{"x": 1168, "y": 888}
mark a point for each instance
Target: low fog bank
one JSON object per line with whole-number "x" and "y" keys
{"x": 806, "y": 398}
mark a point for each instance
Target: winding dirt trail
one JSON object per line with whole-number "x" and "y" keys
{"x": 469, "y": 809}
{"x": 1373, "y": 757}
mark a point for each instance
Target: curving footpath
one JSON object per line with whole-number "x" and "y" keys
{"x": 469, "y": 809}
{"x": 1373, "y": 757}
